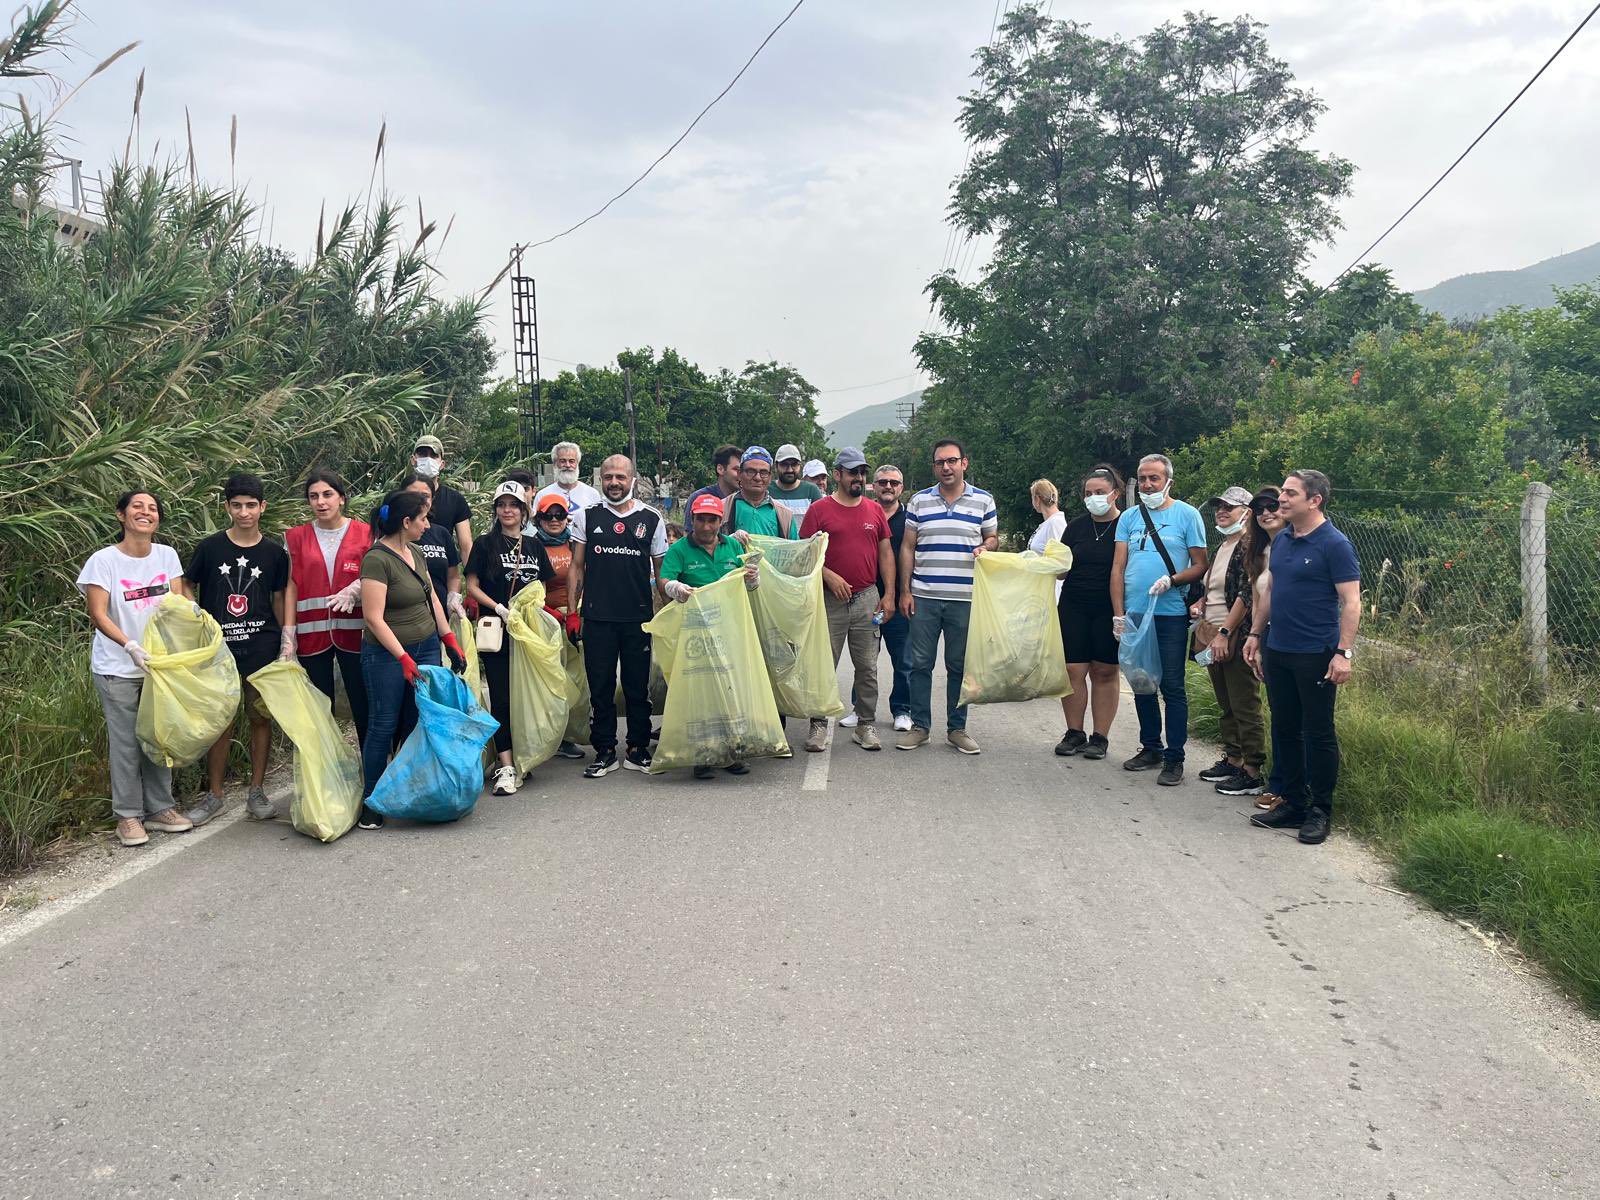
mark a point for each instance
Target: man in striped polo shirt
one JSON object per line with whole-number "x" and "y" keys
{"x": 947, "y": 526}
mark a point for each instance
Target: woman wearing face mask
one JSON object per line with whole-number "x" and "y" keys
{"x": 1221, "y": 614}
{"x": 1084, "y": 609}
{"x": 1261, "y": 526}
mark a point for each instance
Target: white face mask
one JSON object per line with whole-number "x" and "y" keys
{"x": 1230, "y": 530}
{"x": 1098, "y": 506}
{"x": 428, "y": 467}
{"x": 1155, "y": 499}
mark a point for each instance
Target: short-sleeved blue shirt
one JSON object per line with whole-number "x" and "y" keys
{"x": 1180, "y": 529}
{"x": 1305, "y": 604}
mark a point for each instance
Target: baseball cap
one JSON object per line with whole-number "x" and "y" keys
{"x": 513, "y": 489}
{"x": 759, "y": 453}
{"x": 551, "y": 502}
{"x": 428, "y": 442}
{"x": 787, "y": 451}
{"x": 849, "y": 458}
{"x": 705, "y": 504}
{"x": 1235, "y": 496}
{"x": 813, "y": 467}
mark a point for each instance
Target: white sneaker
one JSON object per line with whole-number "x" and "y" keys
{"x": 848, "y": 721}
{"x": 505, "y": 781}
{"x": 902, "y": 722}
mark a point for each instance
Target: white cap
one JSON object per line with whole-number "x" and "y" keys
{"x": 787, "y": 451}
{"x": 513, "y": 489}
{"x": 814, "y": 467}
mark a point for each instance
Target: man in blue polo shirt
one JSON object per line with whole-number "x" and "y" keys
{"x": 947, "y": 526}
{"x": 1314, "y": 609}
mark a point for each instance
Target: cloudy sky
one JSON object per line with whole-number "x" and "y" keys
{"x": 800, "y": 221}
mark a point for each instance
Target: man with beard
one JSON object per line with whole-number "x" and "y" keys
{"x": 788, "y": 489}
{"x": 617, "y": 548}
{"x": 449, "y": 507}
{"x": 574, "y": 493}
{"x": 858, "y": 555}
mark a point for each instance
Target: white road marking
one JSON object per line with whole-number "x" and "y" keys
{"x": 816, "y": 779}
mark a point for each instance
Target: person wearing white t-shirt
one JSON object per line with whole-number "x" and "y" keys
{"x": 575, "y": 494}
{"x": 1047, "y": 503}
{"x": 123, "y": 585}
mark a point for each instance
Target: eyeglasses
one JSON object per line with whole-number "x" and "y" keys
{"x": 890, "y": 482}
{"x": 946, "y": 462}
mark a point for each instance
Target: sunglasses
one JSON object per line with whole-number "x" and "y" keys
{"x": 552, "y": 514}
{"x": 889, "y": 482}
{"x": 1265, "y": 504}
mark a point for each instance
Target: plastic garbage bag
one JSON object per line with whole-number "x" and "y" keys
{"x": 541, "y": 690}
{"x": 793, "y": 625}
{"x": 192, "y": 693}
{"x": 327, "y": 772}
{"x": 578, "y": 686}
{"x": 1014, "y": 647}
{"x": 1139, "y": 654}
{"x": 469, "y": 649}
{"x": 438, "y": 772}
{"x": 720, "y": 706}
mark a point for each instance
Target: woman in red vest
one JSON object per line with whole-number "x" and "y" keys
{"x": 322, "y": 604}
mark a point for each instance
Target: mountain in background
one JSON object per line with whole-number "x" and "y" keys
{"x": 1487, "y": 292}
{"x": 852, "y": 428}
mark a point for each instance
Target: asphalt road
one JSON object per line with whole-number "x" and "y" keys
{"x": 908, "y": 974}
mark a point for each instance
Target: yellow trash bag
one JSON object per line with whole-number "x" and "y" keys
{"x": 793, "y": 625}
{"x": 578, "y": 681}
{"x": 192, "y": 693}
{"x": 720, "y": 708}
{"x": 541, "y": 690}
{"x": 469, "y": 650}
{"x": 327, "y": 773}
{"x": 1014, "y": 641}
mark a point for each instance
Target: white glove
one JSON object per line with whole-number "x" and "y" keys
{"x": 501, "y": 611}
{"x": 752, "y": 578}
{"x": 1164, "y": 584}
{"x": 346, "y": 599}
{"x": 676, "y": 589}
{"x": 453, "y": 606}
{"x": 288, "y": 642}
{"x": 1119, "y": 626}
{"x": 140, "y": 656}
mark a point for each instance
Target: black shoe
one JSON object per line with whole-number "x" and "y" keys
{"x": 737, "y": 768}
{"x": 1171, "y": 774}
{"x": 605, "y": 762}
{"x": 704, "y": 772}
{"x": 370, "y": 818}
{"x": 1071, "y": 742}
{"x": 1314, "y": 829}
{"x": 1282, "y": 817}
{"x": 1146, "y": 760}
{"x": 1096, "y": 747}
{"x": 1242, "y": 783}
{"x": 568, "y": 750}
{"x": 1223, "y": 770}
{"x": 637, "y": 760}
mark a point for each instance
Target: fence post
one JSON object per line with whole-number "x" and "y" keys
{"x": 1535, "y": 596}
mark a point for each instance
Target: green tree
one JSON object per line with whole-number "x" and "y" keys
{"x": 1150, "y": 204}
{"x": 1563, "y": 348}
{"x": 1324, "y": 321}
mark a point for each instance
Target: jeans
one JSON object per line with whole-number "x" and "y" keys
{"x": 851, "y": 621}
{"x": 391, "y": 704}
{"x": 139, "y": 787}
{"x": 320, "y": 668}
{"x": 1172, "y": 639}
{"x": 1303, "y": 728}
{"x": 606, "y": 646}
{"x": 932, "y": 618}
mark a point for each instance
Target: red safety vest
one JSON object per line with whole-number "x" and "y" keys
{"x": 317, "y": 625}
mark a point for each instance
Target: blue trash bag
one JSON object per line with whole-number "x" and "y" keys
{"x": 1139, "y": 654}
{"x": 439, "y": 771}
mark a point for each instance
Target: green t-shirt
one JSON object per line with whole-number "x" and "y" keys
{"x": 407, "y": 609}
{"x": 763, "y": 520}
{"x": 691, "y": 564}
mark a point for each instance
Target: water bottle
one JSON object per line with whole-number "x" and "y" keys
{"x": 1204, "y": 657}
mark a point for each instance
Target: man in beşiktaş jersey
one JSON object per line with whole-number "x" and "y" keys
{"x": 617, "y": 550}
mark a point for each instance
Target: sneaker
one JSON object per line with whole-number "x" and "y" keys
{"x": 206, "y": 805}
{"x": 1171, "y": 774}
{"x": 902, "y": 723}
{"x": 1071, "y": 742}
{"x": 605, "y": 762}
{"x": 568, "y": 750}
{"x": 258, "y": 806}
{"x": 505, "y": 781}
{"x": 817, "y": 739}
{"x": 704, "y": 772}
{"x": 1097, "y": 746}
{"x": 1222, "y": 770}
{"x": 1282, "y": 817}
{"x": 370, "y": 818}
{"x": 912, "y": 738}
{"x": 848, "y": 721}
{"x": 130, "y": 832}
{"x": 636, "y": 760}
{"x": 1242, "y": 784}
{"x": 1268, "y": 800}
{"x": 1146, "y": 760}
{"x": 866, "y": 737}
{"x": 737, "y": 768}
{"x": 1314, "y": 829}
{"x": 962, "y": 741}
{"x": 168, "y": 820}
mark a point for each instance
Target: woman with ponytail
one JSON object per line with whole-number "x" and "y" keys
{"x": 405, "y": 627}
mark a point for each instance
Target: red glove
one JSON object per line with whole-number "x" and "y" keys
{"x": 448, "y": 641}
{"x": 408, "y": 668}
{"x": 471, "y": 606}
{"x": 458, "y": 660}
{"x": 574, "y": 625}
{"x": 561, "y": 617}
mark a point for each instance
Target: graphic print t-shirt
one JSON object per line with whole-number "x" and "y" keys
{"x": 504, "y": 567}
{"x": 438, "y": 546}
{"x": 235, "y": 584}
{"x": 135, "y": 586}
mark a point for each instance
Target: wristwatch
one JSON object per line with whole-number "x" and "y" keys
{"x": 1224, "y": 632}
{"x": 1346, "y": 654}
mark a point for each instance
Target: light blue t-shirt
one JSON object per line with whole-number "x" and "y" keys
{"x": 1180, "y": 528}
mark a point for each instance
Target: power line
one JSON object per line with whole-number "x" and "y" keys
{"x": 718, "y": 391}
{"x": 1470, "y": 148}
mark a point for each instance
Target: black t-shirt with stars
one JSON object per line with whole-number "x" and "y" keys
{"x": 235, "y": 584}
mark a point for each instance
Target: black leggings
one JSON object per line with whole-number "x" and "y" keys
{"x": 320, "y": 668}
{"x": 496, "y": 670}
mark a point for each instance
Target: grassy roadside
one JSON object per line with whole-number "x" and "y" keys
{"x": 1486, "y": 799}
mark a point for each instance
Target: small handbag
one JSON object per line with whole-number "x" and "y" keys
{"x": 490, "y": 634}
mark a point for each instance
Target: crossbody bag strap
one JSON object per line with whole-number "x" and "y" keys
{"x": 427, "y": 588}
{"x": 1161, "y": 547}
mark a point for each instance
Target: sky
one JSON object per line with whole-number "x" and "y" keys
{"x": 801, "y": 220}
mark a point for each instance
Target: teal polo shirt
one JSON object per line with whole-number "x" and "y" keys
{"x": 693, "y": 565}
{"x": 763, "y": 520}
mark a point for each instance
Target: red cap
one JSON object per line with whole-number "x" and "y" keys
{"x": 705, "y": 504}
{"x": 553, "y": 500}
